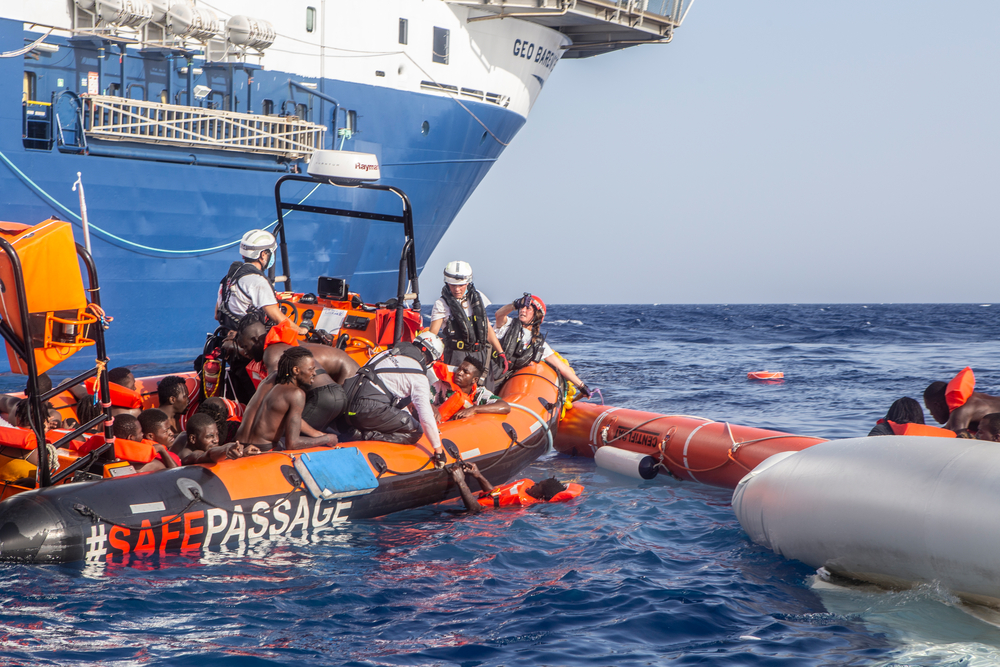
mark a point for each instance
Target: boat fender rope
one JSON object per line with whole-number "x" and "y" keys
{"x": 95, "y": 517}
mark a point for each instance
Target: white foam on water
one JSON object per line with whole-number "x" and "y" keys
{"x": 575, "y": 322}
{"x": 930, "y": 626}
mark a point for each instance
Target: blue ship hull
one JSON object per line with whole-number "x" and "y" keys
{"x": 157, "y": 277}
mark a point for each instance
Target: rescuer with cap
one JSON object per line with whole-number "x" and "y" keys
{"x": 459, "y": 318}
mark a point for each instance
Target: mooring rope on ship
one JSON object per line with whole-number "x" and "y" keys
{"x": 201, "y": 251}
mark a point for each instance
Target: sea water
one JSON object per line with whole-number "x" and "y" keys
{"x": 631, "y": 573}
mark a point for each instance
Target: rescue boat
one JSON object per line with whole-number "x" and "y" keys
{"x": 85, "y": 512}
{"x": 688, "y": 448}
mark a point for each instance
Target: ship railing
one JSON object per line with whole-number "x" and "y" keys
{"x": 121, "y": 119}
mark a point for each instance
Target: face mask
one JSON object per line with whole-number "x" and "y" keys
{"x": 270, "y": 262}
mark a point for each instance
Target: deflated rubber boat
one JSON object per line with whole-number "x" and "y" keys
{"x": 894, "y": 511}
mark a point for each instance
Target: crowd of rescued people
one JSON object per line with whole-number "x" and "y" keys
{"x": 291, "y": 394}
{"x": 961, "y": 411}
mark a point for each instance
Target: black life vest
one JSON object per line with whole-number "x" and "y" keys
{"x": 460, "y": 332}
{"x": 363, "y": 384}
{"x": 237, "y": 271}
{"x": 519, "y": 356}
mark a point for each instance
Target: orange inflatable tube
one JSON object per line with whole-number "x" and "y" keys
{"x": 690, "y": 448}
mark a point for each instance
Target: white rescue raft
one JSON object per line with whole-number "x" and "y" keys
{"x": 893, "y": 510}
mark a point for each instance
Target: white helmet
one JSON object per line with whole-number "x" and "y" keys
{"x": 430, "y": 343}
{"x": 255, "y": 242}
{"x": 457, "y": 273}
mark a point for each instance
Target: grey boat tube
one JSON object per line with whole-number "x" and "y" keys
{"x": 891, "y": 510}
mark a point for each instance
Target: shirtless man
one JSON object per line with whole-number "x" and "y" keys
{"x": 325, "y": 400}
{"x": 277, "y": 422}
{"x": 964, "y": 418}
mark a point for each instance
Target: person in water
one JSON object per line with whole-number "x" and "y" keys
{"x": 459, "y": 317}
{"x": 459, "y": 396}
{"x": 201, "y": 443}
{"x": 173, "y": 394}
{"x": 521, "y": 492}
{"x": 902, "y": 411}
{"x": 277, "y": 422}
{"x": 989, "y": 428}
{"x": 963, "y": 419}
{"x": 157, "y": 431}
{"x": 376, "y": 396}
{"x": 522, "y": 340}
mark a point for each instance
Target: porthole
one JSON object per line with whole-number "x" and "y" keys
{"x": 425, "y": 128}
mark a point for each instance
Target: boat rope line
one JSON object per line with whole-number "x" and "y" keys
{"x": 195, "y": 498}
{"x": 116, "y": 240}
{"x": 29, "y": 47}
{"x": 88, "y": 512}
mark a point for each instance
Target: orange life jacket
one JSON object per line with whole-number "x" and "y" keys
{"x": 283, "y": 332}
{"x": 257, "y": 372}
{"x": 128, "y": 450}
{"x": 19, "y": 438}
{"x": 121, "y": 397}
{"x": 960, "y": 388}
{"x": 921, "y": 429}
{"x": 458, "y": 400}
{"x": 516, "y": 493}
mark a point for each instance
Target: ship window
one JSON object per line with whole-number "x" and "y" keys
{"x": 404, "y": 29}
{"x": 302, "y": 111}
{"x": 310, "y": 19}
{"x": 163, "y": 96}
{"x": 29, "y": 87}
{"x": 440, "y": 54}
{"x": 352, "y": 122}
{"x": 267, "y": 107}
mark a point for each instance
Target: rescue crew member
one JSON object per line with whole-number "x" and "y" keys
{"x": 521, "y": 492}
{"x": 378, "y": 395}
{"x": 523, "y": 342}
{"x": 458, "y": 395}
{"x": 964, "y": 418}
{"x": 245, "y": 286}
{"x": 902, "y": 411}
{"x": 277, "y": 422}
{"x": 459, "y": 317}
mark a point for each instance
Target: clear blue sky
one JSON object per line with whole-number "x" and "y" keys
{"x": 773, "y": 152}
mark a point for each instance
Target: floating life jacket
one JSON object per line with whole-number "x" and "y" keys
{"x": 921, "y": 429}
{"x": 519, "y": 356}
{"x": 127, "y": 450}
{"x": 237, "y": 271}
{"x": 121, "y": 397}
{"x": 458, "y": 399}
{"x": 516, "y": 493}
{"x": 460, "y": 332}
{"x": 960, "y": 388}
